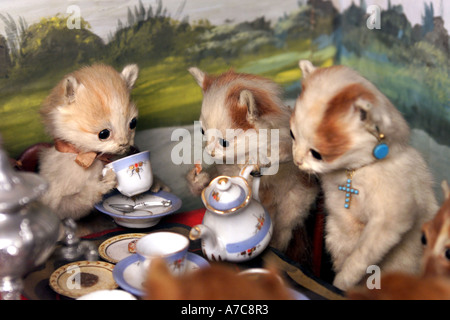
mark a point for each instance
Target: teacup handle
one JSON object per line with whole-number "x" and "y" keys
{"x": 106, "y": 169}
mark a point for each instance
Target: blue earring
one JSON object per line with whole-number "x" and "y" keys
{"x": 381, "y": 150}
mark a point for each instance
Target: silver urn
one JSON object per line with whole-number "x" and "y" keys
{"x": 28, "y": 229}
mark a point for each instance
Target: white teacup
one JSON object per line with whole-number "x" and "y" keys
{"x": 171, "y": 246}
{"x": 134, "y": 173}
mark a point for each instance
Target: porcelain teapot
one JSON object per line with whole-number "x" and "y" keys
{"x": 236, "y": 227}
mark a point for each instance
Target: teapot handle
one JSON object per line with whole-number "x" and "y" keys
{"x": 245, "y": 173}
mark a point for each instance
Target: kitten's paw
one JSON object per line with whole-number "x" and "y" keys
{"x": 197, "y": 182}
{"x": 109, "y": 181}
{"x": 159, "y": 185}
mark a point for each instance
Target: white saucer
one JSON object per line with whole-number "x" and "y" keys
{"x": 126, "y": 272}
{"x": 116, "y": 248}
{"x": 138, "y": 218}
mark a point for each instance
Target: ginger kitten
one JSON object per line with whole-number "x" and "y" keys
{"x": 436, "y": 240}
{"x": 218, "y": 282}
{"x": 89, "y": 115}
{"x": 376, "y": 207}
{"x": 249, "y": 107}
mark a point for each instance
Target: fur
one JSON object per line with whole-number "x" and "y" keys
{"x": 338, "y": 116}
{"x": 218, "y": 282}
{"x": 251, "y": 103}
{"x": 80, "y": 106}
{"x": 403, "y": 286}
{"x": 434, "y": 280}
{"x": 436, "y": 239}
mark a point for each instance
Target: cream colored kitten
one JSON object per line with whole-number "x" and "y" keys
{"x": 89, "y": 114}
{"x": 338, "y": 120}
{"x": 250, "y": 106}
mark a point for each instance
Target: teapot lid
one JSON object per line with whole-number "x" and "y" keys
{"x": 225, "y": 195}
{"x": 17, "y": 188}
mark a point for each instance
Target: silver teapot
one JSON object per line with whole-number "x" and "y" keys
{"x": 28, "y": 229}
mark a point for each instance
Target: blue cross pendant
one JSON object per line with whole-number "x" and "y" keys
{"x": 349, "y": 190}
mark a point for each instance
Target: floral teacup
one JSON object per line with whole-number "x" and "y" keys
{"x": 134, "y": 173}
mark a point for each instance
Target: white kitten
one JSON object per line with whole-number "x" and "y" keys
{"x": 339, "y": 119}
{"x": 251, "y": 106}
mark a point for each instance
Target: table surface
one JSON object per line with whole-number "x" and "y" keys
{"x": 36, "y": 283}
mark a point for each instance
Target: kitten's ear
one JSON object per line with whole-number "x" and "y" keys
{"x": 307, "y": 68}
{"x": 198, "y": 75}
{"x": 363, "y": 107}
{"x": 130, "y": 74}
{"x": 246, "y": 99}
{"x": 71, "y": 85}
{"x": 371, "y": 116}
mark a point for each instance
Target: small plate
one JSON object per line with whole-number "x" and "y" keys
{"x": 76, "y": 279}
{"x": 116, "y": 248}
{"x": 126, "y": 272}
{"x": 138, "y": 218}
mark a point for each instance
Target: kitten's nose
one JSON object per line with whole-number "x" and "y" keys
{"x": 298, "y": 163}
{"x": 124, "y": 147}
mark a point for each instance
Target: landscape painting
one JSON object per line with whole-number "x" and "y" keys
{"x": 401, "y": 46}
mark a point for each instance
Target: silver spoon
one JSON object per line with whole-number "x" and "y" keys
{"x": 140, "y": 206}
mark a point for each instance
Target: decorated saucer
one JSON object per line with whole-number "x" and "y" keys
{"x": 119, "y": 247}
{"x": 139, "y": 218}
{"x": 76, "y": 279}
{"x": 127, "y": 274}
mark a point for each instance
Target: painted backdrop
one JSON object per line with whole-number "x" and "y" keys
{"x": 401, "y": 46}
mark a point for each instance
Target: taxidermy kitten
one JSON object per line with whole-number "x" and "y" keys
{"x": 249, "y": 103}
{"x": 218, "y": 282}
{"x": 376, "y": 206}
{"x": 89, "y": 115}
{"x": 436, "y": 239}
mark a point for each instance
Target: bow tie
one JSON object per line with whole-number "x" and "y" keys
{"x": 83, "y": 159}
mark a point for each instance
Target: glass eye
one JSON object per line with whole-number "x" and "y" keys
{"x": 423, "y": 239}
{"x": 133, "y": 123}
{"x": 315, "y": 154}
{"x": 292, "y": 135}
{"x": 104, "y": 134}
{"x": 224, "y": 142}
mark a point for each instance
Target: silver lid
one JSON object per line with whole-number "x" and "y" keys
{"x": 18, "y": 188}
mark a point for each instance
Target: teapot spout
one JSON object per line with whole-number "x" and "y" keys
{"x": 201, "y": 231}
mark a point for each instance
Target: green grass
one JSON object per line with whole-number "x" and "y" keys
{"x": 420, "y": 93}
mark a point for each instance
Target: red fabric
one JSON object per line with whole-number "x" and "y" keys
{"x": 189, "y": 218}
{"x": 318, "y": 243}
{"x": 102, "y": 233}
